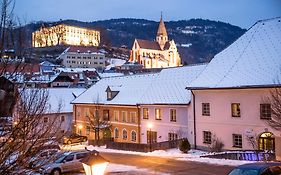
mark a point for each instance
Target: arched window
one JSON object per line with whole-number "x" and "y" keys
{"x": 134, "y": 136}
{"x": 266, "y": 141}
{"x": 116, "y": 133}
{"x": 125, "y": 134}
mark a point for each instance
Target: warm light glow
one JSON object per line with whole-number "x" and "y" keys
{"x": 150, "y": 125}
{"x": 80, "y": 126}
{"x": 15, "y": 123}
{"x": 97, "y": 169}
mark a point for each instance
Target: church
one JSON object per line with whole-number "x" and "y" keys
{"x": 156, "y": 54}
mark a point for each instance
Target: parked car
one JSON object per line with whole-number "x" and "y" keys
{"x": 67, "y": 162}
{"x": 74, "y": 138}
{"x": 257, "y": 169}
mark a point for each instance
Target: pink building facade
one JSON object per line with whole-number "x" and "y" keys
{"x": 235, "y": 127}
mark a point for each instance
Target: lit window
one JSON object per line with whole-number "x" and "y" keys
{"x": 133, "y": 117}
{"x": 173, "y": 136}
{"x": 206, "y": 109}
{"x": 235, "y": 109}
{"x": 124, "y": 116}
{"x": 265, "y": 111}
{"x": 145, "y": 113}
{"x": 173, "y": 115}
{"x": 134, "y": 136}
{"x": 116, "y": 116}
{"x": 207, "y": 137}
{"x": 237, "y": 140}
{"x": 125, "y": 134}
{"x": 158, "y": 114}
{"x": 106, "y": 115}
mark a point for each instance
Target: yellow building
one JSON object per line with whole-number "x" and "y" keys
{"x": 63, "y": 34}
{"x": 156, "y": 54}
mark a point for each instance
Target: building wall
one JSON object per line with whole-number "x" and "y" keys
{"x": 83, "y": 60}
{"x": 222, "y": 124}
{"x": 66, "y": 124}
{"x": 165, "y": 126}
{"x": 82, "y": 110}
{"x": 65, "y": 35}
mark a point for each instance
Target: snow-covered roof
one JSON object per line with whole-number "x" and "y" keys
{"x": 63, "y": 97}
{"x": 108, "y": 74}
{"x": 252, "y": 60}
{"x": 77, "y": 70}
{"x": 169, "y": 86}
{"x": 165, "y": 87}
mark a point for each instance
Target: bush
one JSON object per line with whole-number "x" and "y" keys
{"x": 216, "y": 144}
{"x": 184, "y": 145}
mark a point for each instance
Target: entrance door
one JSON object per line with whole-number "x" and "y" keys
{"x": 151, "y": 135}
{"x": 267, "y": 141}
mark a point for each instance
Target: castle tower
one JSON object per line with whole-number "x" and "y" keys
{"x": 162, "y": 36}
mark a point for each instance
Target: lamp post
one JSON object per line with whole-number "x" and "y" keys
{"x": 150, "y": 125}
{"x": 94, "y": 164}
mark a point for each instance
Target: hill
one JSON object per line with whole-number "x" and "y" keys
{"x": 198, "y": 40}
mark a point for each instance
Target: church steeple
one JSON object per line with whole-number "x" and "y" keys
{"x": 162, "y": 36}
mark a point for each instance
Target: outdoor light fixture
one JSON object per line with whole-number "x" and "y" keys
{"x": 80, "y": 126}
{"x": 94, "y": 164}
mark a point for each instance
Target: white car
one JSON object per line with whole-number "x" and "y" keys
{"x": 67, "y": 162}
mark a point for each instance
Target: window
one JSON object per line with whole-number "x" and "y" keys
{"x": 116, "y": 133}
{"x": 173, "y": 136}
{"x": 125, "y": 134}
{"x": 124, "y": 116}
{"x": 69, "y": 158}
{"x": 237, "y": 140}
{"x": 265, "y": 111}
{"x": 145, "y": 113}
{"x": 207, "y": 137}
{"x": 151, "y": 137}
{"x": 62, "y": 118}
{"x": 134, "y": 136}
{"x": 173, "y": 115}
{"x": 46, "y": 119}
{"x": 133, "y": 117}
{"x": 109, "y": 95}
{"x": 116, "y": 115}
{"x": 206, "y": 109}
{"x": 88, "y": 128}
{"x": 158, "y": 114}
{"x": 106, "y": 115}
{"x": 81, "y": 155}
{"x": 235, "y": 109}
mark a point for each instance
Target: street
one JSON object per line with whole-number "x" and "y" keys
{"x": 159, "y": 165}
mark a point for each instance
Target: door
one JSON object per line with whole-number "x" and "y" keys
{"x": 267, "y": 141}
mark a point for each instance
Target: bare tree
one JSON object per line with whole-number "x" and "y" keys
{"x": 59, "y": 31}
{"x": 275, "y": 104}
{"x": 29, "y": 134}
{"x": 98, "y": 123}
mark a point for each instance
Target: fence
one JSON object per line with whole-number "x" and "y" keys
{"x": 244, "y": 155}
{"x": 142, "y": 147}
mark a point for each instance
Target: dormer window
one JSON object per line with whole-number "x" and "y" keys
{"x": 112, "y": 91}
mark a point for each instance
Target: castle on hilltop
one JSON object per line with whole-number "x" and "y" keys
{"x": 156, "y": 54}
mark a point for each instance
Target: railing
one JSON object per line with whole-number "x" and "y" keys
{"x": 142, "y": 147}
{"x": 244, "y": 155}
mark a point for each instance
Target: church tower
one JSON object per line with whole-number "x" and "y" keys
{"x": 162, "y": 36}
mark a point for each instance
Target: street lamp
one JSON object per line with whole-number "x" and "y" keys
{"x": 80, "y": 128}
{"x": 150, "y": 125}
{"x": 94, "y": 164}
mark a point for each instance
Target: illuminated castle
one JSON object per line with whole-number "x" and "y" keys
{"x": 63, "y": 34}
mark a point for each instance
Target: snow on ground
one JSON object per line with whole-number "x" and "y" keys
{"x": 193, "y": 155}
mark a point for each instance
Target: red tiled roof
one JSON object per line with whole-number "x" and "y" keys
{"x": 82, "y": 49}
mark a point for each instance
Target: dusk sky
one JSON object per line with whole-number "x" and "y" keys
{"x": 243, "y": 13}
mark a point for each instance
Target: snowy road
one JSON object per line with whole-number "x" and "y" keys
{"x": 160, "y": 165}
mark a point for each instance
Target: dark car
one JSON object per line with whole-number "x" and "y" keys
{"x": 74, "y": 138}
{"x": 257, "y": 169}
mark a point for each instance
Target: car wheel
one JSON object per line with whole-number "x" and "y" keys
{"x": 68, "y": 142}
{"x": 56, "y": 172}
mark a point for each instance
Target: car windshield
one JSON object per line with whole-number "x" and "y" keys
{"x": 60, "y": 159}
{"x": 238, "y": 171}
